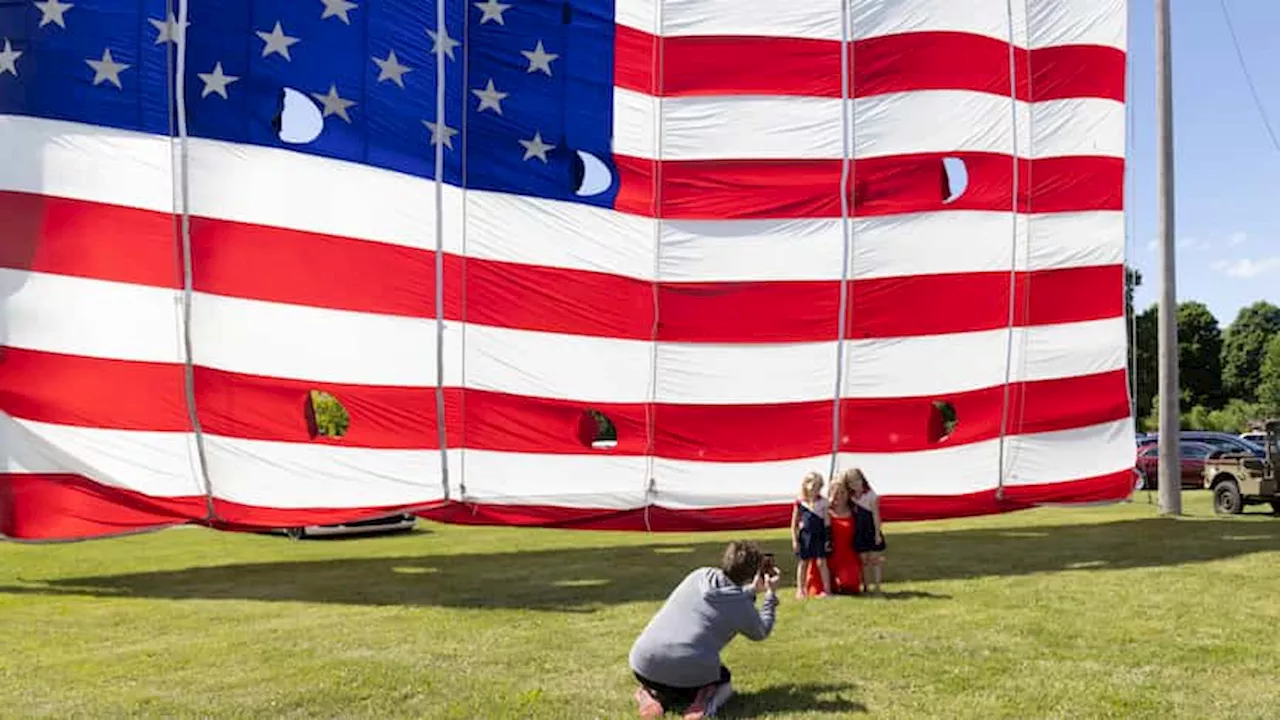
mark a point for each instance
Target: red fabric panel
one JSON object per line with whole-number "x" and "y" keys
{"x": 735, "y": 65}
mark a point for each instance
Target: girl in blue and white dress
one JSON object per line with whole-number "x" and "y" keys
{"x": 868, "y": 538}
{"x": 809, "y": 529}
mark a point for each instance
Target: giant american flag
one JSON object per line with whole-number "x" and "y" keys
{"x": 753, "y": 237}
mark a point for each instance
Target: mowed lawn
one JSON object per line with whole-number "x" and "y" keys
{"x": 1069, "y": 613}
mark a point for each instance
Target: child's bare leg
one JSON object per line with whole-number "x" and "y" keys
{"x": 825, "y": 572}
{"x": 878, "y": 569}
{"x": 802, "y": 572}
{"x": 867, "y": 572}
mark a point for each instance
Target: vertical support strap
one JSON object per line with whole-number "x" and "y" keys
{"x": 659, "y": 83}
{"x": 1131, "y": 369}
{"x": 1013, "y": 245}
{"x": 848, "y": 119}
{"x": 462, "y": 322}
{"x": 441, "y": 433}
{"x": 178, "y": 71}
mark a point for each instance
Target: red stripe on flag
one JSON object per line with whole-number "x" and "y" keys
{"x": 738, "y": 65}
{"x": 84, "y": 392}
{"x": 70, "y": 507}
{"x": 82, "y": 239}
{"x": 892, "y": 185}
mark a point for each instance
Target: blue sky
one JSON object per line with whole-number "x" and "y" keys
{"x": 1227, "y": 171}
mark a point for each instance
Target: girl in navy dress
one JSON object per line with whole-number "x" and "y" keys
{"x": 868, "y": 539}
{"x": 809, "y": 525}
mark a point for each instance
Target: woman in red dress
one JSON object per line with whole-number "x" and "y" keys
{"x": 843, "y": 563}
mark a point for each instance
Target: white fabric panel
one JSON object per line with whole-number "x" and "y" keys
{"x": 764, "y": 18}
{"x": 980, "y": 241}
{"x": 520, "y": 229}
{"x": 85, "y": 162}
{"x": 746, "y": 250}
{"x": 776, "y": 128}
{"x": 133, "y": 172}
{"x": 244, "y": 183}
{"x": 271, "y": 474}
{"x": 98, "y": 319}
{"x": 715, "y": 374}
{"x": 1052, "y": 22}
{"x": 992, "y": 18}
{"x": 596, "y": 480}
{"x": 297, "y": 475}
{"x": 78, "y": 316}
{"x": 911, "y": 367}
{"x": 573, "y": 481}
{"x": 558, "y": 366}
{"x": 161, "y": 464}
{"x": 1078, "y": 22}
{"x": 887, "y": 246}
{"x": 324, "y": 345}
{"x": 253, "y": 472}
{"x": 1089, "y": 452}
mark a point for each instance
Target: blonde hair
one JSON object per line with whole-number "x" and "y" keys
{"x": 836, "y": 485}
{"x": 811, "y": 479}
{"x": 852, "y": 477}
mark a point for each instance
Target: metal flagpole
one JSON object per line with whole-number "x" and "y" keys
{"x": 1170, "y": 476}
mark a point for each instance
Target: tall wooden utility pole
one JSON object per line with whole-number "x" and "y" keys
{"x": 1170, "y": 477}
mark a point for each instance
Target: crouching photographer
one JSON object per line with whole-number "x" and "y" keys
{"x": 677, "y": 657}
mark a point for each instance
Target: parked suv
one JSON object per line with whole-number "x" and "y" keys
{"x": 1221, "y": 442}
{"x": 1192, "y": 454}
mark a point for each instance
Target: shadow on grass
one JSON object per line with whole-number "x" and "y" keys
{"x": 799, "y": 697}
{"x": 580, "y": 579}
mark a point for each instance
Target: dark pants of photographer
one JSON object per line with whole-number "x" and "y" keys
{"x": 677, "y": 697}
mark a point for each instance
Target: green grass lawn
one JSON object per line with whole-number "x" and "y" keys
{"x": 1095, "y": 612}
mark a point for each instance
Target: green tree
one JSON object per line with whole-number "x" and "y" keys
{"x": 1132, "y": 281}
{"x": 1269, "y": 388}
{"x": 1199, "y": 356}
{"x": 1144, "y": 372}
{"x": 327, "y": 415}
{"x": 1243, "y": 346}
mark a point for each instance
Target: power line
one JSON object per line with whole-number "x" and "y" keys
{"x": 1248, "y": 78}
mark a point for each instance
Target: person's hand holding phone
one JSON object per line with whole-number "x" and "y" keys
{"x": 769, "y": 576}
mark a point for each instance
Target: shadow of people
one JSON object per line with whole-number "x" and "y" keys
{"x": 798, "y": 697}
{"x": 579, "y": 579}
{"x": 909, "y": 595}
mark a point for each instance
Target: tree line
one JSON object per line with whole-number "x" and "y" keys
{"x": 1230, "y": 377}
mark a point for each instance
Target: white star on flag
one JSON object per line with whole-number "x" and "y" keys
{"x": 216, "y": 81}
{"x": 338, "y": 9}
{"x": 51, "y": 11}
{"x": 9, "y": 59}
{"x": 539, "y": 58}
{"x": 107, "y": 69}
{"x": 447, "y": 42}
{"x": 276, "y": 42}
{"x": 490, "y": 97}
{"x": 334, "y": 104}
{"x": 438, "y": 135}
{"x": 536, "y": 147}
{"x": 167, "y": 30}
{"x": 492, "y": 10}
{"x": 391, "y": 69}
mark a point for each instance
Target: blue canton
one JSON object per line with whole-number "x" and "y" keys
{"x": 533, "y": 77}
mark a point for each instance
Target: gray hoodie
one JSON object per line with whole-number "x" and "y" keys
{"x": 681, "y": 645}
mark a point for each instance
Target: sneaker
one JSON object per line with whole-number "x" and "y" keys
{"x": 723, "y": 692}
{"x": 649, "y": 705}
{"x": 697, "y": 709}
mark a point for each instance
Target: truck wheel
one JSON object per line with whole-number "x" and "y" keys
{"x": 1226, "y": 498}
